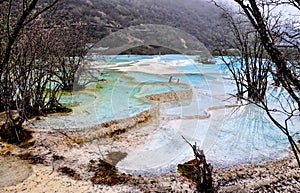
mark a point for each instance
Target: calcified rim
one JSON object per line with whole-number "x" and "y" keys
{"x": 162, "y": 36}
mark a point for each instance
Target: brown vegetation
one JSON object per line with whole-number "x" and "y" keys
{"x": 69, "y": 172}
{"x": 105, "y": 173}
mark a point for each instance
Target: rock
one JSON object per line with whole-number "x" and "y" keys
{"x": 233, "y": 188}
{"x": 105, "y": 173}
{"x": 114, "y": 157}
{"x": 13, "y": 171}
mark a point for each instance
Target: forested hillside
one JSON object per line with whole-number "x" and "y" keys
{"x": 197, "y": 17}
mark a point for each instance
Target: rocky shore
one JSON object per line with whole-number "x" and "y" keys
{"x": 280, "y": 175}
{"x": 52, "y": 151}
{"x": 60, "y": 161}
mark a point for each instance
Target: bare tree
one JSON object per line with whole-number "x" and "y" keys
{"x": 285, "y": 75}
{"x": 203, "y": 170}
{"x": 21, "y": 70}
{"x": 248, "y": 67}
{"x": 69, "y": 48}
{"x": 40, "y": 55}
{"x": 14, "y": 24}
{"x": 282, "y": 50}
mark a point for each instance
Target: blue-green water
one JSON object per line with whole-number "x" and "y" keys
{"x": 121, "y": 95}
{"x": 228, "y": 136}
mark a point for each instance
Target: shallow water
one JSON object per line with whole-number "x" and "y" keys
{"x": 122, "y": 95}
{"x": 228, "y": 136}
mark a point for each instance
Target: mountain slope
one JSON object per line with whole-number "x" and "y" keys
{"x": 196, "y": 17}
